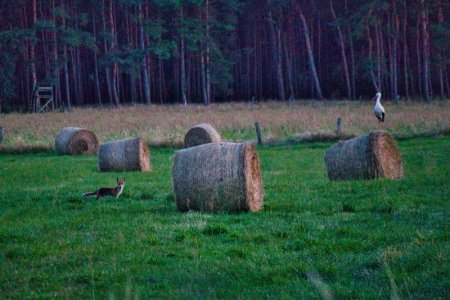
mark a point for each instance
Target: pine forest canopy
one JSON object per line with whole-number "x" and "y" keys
{"x": 204, "y": 51}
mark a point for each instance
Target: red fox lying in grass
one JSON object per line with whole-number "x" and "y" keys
{"x": 114, "y": 192}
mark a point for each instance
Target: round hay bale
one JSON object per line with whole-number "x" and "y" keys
{"x": 365, "y": 157}
{"x": 73, "y": 140}
{"x": 201, "y": 134}
{"x": 218, "y": 177}
{"x": 129, "y": 154}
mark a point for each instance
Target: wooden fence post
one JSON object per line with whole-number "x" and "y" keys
{"x": 1, "y": 136}
{"x": 338, "y": 126}
{"x": 258, "y": 133}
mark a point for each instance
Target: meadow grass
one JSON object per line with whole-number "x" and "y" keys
{"x": 167, "y": 125}
{"x": 351, "y": 239}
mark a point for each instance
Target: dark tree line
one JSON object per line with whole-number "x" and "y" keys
{"x": 203, "y": 51}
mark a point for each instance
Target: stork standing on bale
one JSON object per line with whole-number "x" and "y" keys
{"x": 378, "y": 110}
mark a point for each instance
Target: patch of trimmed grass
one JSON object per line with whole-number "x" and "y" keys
{"x": 355, "y": 239}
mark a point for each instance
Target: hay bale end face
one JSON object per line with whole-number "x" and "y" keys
{"x": 365, "y": 157}
{"x": 218, "y": 177}
{"x": 201, "y": 134}
{"x": 129, "y": 154}
{"x": 74, "y": 140}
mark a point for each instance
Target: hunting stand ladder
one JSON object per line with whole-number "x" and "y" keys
{"x": 41, "y": 99}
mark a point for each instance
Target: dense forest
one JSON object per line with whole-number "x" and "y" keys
{"x": 112, "y": 52}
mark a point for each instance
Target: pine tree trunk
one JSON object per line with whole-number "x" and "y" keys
{"x": 105, "y": 50}
{"x": 405, "y": 50}
{"x": 66, "y": 69}
{"x": 276, "y": 58}
{"x": 311, "y": 39}
{"x": 419, "y": 56}
{"x": 394, "y": 56}
{"x": 144, "y": 65}
{"x": 204, "y": 60}
{"x": 319, "y": 46}
{"x": 66, "y": 79}
{"x": 288, "y": 70}
{"x": 371, "y": 59}
{"x": 77, "y": 62}
{"x": 44, "y": 46}
{"x": 182, "y": 63}
{"x": 32, "y": 50}
{"x": 74, "y": 77}
{"x": 426, "y": 52}
{"x": 79, "y": 74}
{"x": 390, "y": 57}
{"x": 183, "y": 72}
{"x": 384, "y": 72}
{"x": 352, "y": 54}
{"x": 57, "y": 94}
{"x": 115, "y": 73}
{"x": 208, "y": 56}
{"x": 343, "y": 55}
{"x": 379, "y": 74}
{"x": 442, "y": 66}
{"x": 255, "y": 65}
{"x": 393, "y": 25}
{"x": 97, "y": 80}
{"x": 203, "y": 79}
{"x": 312, "y": 66}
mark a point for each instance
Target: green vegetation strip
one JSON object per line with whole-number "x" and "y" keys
{"x": 360, "y": 239}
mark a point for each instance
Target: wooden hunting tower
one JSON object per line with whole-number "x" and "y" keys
{"x": 41, "y": 99}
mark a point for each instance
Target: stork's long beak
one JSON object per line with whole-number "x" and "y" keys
{"x": 374, "y": 98}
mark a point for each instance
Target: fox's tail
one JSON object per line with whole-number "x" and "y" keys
{"x": 89, "y": 194}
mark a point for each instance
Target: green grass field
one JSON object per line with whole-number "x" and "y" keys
{"x": 355, "y": 239}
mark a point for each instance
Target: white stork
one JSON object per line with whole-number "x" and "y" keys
{"x": 378, "y": 110}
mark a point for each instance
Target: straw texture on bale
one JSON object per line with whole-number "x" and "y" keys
{"x": 73, "y": 140}
{"x": 129, "y": 154}
{"x": 201, "y": 134}
{"x": 365, "y": 157}
{"x": 218, "y": 177}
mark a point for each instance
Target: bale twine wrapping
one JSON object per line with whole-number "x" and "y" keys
{"x": 365, "y": 157}
{"x": 129, "y": 154}
{"x": 201, "y": 134}
{"x": 73, "y": 140}
{"x": 218, "y": 177}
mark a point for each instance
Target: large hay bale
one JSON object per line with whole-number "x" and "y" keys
{"x": 73, "y": 140}
{"x": 129, "y": 154}
{"x": 201, "y": 134}
{"x": 218, "y": 177}
{"x": 365, "y": 157}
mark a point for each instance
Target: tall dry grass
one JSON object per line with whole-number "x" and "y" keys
{"x": 166, "y": 125}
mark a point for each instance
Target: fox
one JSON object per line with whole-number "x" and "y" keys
{"x": 103, "y": 192}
